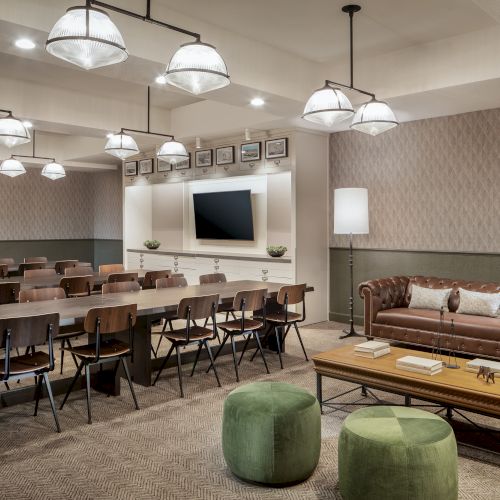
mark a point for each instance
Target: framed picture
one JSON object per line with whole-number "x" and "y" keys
{"x": 224, "y": 156}
{"x": 146, "y": 166}
{"x": 277, "y": 148}
{"x": 183, "y": 164}
{"x": 203, "y": 158}
{"x": 250, "y": 151}
{"x": 163, "y": 166}
{"x": 130, "y": 168}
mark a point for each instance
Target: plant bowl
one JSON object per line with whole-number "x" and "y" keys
{"x": 276, "y": 251}
{"x": 152, "y": 244}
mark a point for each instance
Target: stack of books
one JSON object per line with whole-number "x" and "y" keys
{"x": 474, "y": 364}
{"x": 415, "y": 364}
{"x": 372, "y": 349}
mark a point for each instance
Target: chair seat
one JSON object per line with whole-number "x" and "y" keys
{"x": 195, "y": 333}
{"x": 279, "y": 317}
{"x": 235, "y": 325}
{"x": 67, "y": 333}
{"x": 108, "y": 349}
{"x": 26, "y": 363}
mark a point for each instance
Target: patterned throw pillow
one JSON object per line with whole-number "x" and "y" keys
{"x": 429, "y": 298}
{"x": 478, "y": 303}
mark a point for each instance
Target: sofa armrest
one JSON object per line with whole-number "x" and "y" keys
{"x": 380, "y": 294}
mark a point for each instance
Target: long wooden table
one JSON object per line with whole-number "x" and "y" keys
{"x": 48, "y": 265}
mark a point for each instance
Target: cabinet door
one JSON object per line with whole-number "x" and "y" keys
{"x": 133, "y": 260}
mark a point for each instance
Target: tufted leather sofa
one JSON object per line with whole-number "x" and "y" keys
{"x": 387, "y": 315}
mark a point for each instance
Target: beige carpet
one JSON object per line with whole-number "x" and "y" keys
{"x": 171, "y": 447}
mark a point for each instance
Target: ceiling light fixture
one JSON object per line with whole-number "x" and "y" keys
{"x": 121, "y": 145}
{"x": 329, "y": 105}
{"x": 161, "y": 80}
{"x": 25, "y": 43}
{"x": 12, "y": 130}
{"x": 257, "y": 102}
{"x": 12, "y": 167}
{"x": 53, "y": 171}
{"x": 87, "y": 37}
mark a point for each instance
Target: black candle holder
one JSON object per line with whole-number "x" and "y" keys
{"x": 452, "y": 357}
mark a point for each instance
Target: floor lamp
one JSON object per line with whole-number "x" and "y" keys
{"x": 350, "y": 216}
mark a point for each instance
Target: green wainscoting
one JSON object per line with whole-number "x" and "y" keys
{"x": 370, "y": 264}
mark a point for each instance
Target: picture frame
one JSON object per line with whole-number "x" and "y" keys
{"x": 250, "y": 151}
{"x": 184, "y": 164}
{"x": 130, "y": 168}
{"x": 276, "y": 148}
{"x": 203, "y": 158}
{"x": 224, "y": 155}
{"x": 146, "y": 166}
{"x": 163, "y": 166}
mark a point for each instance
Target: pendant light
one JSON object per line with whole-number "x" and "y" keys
{"x": 173, "y": 152}
{"x": 53, "y": 171}
{"x": 327, "y": 106}
{"x": 12, "y": 167}
{"x": 87, "y": 37}
{"x": 121, "y": 145}
{"x": 374, "y": 117}
{"x": 12, "y": 130}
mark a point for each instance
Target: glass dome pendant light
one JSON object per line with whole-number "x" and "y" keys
{"x": 121, "y": 145}
{"x": 53, "y": 171}
{"x": 12, "y": 130}
{"x": 12, "y": 167}
{"x": 374, "y": 117}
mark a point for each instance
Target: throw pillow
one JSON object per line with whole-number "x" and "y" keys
{"x": 478, "y": 303}
{"x": 429, "y": 298}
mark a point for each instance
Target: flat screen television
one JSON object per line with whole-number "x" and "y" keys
{"x": 225, "y": 215}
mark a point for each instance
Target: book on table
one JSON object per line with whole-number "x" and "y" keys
{"x": 374, "y": 354}
{"x": 474, "y": 364}
{"x": 416, "y": 364}
{"x": 372, "y": 349}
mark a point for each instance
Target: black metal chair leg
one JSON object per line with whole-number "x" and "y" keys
{"x": 300, "y": 340}
{"x": 38, "y": 392}
{"x": 245, "y": 348}
{"x": 51, "y": 399}
{"x": 233, "y": 348}
{"x": 257, "y": 338}
{"x": 7, "y": 386}
{"x": 224, "y": 340}
{"x": 200, "y": 345}
{"x": 87, "y": 377}
{"x": 179, "y": 368}
{"x": 127, "y": 373}
{"x": 233, "y": 315}
{"x": 73, "y": 382}
{"x": 163, "y": 364}
{"x": 286, "y": 331}
{"x": 227, "y": 316}
{"x": 62, "y": 354}
{"x": 158, "y": 346}
{"x": 212, "y": 361}
{"x": 72, "y": 355}
{"x": 278, "y": 344}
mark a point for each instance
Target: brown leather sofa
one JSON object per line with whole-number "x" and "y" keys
{"x": 387, "y": 315}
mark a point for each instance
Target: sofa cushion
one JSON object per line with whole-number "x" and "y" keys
{"x": 466, "y": 325}
{"x": 480, "y": 304}
{"x": 429, "y": 298}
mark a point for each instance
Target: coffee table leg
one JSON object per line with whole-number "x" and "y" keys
{"x": 407, "y": 400}
{"x": 363, "y": 391}
{"x": 319, "y": 390}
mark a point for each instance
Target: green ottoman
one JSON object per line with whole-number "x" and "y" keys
{"x": 396, "y": 453}
{"x": 271, "y": 433}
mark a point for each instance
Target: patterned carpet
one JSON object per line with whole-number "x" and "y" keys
{"x": 171, "y": 448}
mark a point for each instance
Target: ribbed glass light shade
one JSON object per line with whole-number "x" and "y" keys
{"x": 13, "y": 132}
{"x": 173, "y": 152}
{"x": 12, "y": 168}
{"x": 53, "y": 171}
{"x": 86, "y": 37}
{"x": 328, "y": 106}
{"x": 197, "y": 68}
{"x": 374, "y": 117}
{"x": 121, "y": 145}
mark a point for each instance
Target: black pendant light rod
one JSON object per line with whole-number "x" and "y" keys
{"x": 6, "y": 111}
{"x": 147, "y": 18}
{"x": 33, "y": 155}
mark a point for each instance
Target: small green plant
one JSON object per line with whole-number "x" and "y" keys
{"x": 152, "y": 244}
{"x": 276, "y": 250}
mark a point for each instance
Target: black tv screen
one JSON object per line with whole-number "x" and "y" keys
{"x": 225, "y": 215}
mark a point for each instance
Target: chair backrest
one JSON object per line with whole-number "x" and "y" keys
{"x": 296, "y": 294}
{"x": 112, "y": 319}
{"x": 121, "y": 286}
{"x": 250, "y": 300}
{"x": 172, "y": 282}
{"x": 39, "y": 294}
{"x": 37, "y": 273}
{"x": 198, "y": 307}
{"x": 28, "y": 330}
{"x": 4, "y": 270}
{"x": 9, "y": 292}
{"x": 77, "y": 284}
{"x": 151, "y": 276}
{"x": 61, "y": 265}
{"x": 111, "y": 268}
{"x": 7, "y": 260}
{"x": 118, "y": 277}
{"x": 29, "y": 266}
{"x": 212, "y": 278}
{"x": 29, "y": 260}
{"x": 78, "y": 271}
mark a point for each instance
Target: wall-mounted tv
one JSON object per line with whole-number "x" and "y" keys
{"x": 225, "y": 215}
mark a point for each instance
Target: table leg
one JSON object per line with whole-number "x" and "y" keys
{"x": 319, "y": 390}
{"x": 407, "y": 400}
{"x": 140, "y": 366}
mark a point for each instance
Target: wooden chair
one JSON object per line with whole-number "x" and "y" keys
{"x": 77, "y": 286}
{"x": 111, "y": 268}
{"x": 192, "y": 309}
{"x": 121, "y": 286}
{"x": 151, "y": 276}
{"x": 29, "y": 260}
{"x": 206, "y": 279}
{"x": 29, "y": 332}
{"x": 61, "y": 265}
{"x": 9, "y": 292}
{"x": 105, "y": 322}
{"x": 30, "y": 266}
{"x": 172, "y": 282}
{"x": 119, "y": 277}
{"x": 38, "y": 273}
{"x": 78, "y": 271}
{"x": 247, "y": 302}
{"x": 4, "y": 271}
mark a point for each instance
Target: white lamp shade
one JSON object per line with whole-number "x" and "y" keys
{"x": 13, "y": 132}
{"x": 12, "y": 168}
{"x": 87, "y": 37}
{"x": 374, "y": 117}
{"x": 328, "y": 106}
{"x": 121, "y": 145}
{"x": 197, "y": 68}
{"x": 173, "y": 152}
{"x": 350, "y": 211}
{"x": 53, "y": 171}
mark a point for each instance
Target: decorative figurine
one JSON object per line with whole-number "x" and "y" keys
{"x": 487, "y": 373}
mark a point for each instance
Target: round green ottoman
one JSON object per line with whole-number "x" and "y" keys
{"x": 271, "y": 433}
{"x": 396, "y": 453}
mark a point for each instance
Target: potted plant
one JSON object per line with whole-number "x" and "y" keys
{"x": 152, "y": 244}
{"x": 276, "y": 250}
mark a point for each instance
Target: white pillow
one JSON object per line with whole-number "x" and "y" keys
{"x": 429, "y": 298}
{"x": 478, "y": 303}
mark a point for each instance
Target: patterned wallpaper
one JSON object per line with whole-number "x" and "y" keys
{"x": 80, "y": 206}
{"x": 432, "y": 184}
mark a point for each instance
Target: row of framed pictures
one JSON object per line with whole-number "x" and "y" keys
{"x": 249, "y": 152}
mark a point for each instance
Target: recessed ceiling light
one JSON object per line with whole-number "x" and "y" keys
{"x": 27, "y": 124}
{"x": 257, "y": 101}
{"x": 25, "y": 43}
{"x": 161, "y": 80}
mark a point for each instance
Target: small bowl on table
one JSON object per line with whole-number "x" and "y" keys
{"x": 152, "y": 244}
{"x": 276, "y": 251}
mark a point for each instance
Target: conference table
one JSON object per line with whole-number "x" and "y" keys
{"x": 48, "y": 265}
